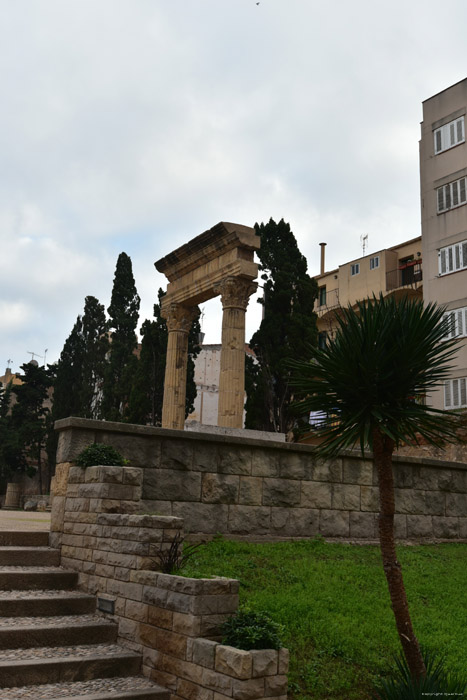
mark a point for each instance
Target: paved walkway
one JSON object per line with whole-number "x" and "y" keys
{"x": 23, "y": 520}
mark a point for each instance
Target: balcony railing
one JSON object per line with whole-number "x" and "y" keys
{"x": 330, "y": 301}
{"x": 408, "y": 276}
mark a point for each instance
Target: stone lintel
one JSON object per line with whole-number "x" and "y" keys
{"x": 206, "y": 247}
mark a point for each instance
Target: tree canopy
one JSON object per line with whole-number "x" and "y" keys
{"x": 287, "y": 329}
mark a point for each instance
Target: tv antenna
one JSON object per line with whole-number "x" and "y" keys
{"x": 34, "y": 354}
{"x": 364, "y": 242}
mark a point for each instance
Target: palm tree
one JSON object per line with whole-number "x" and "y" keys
{"x": 368, "y": 386}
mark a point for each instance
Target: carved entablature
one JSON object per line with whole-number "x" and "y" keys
{"x": 195, "y": 269}
{"x": 179, "y": 317}
{"x": 235, "y": 292}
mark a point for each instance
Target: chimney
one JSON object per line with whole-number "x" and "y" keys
{"x": 323, "y": 245}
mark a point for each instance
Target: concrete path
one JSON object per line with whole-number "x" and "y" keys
{"x": 23, "y": 520}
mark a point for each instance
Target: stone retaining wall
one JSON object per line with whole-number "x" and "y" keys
{"x": 252, "y": 488}
{"x": 174, "y": 622}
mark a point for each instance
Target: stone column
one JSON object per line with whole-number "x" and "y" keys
{"x": 235, "y": 293}
{"x": 179, "y": 319}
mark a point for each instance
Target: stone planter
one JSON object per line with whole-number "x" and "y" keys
{"x": 12, "y": 497}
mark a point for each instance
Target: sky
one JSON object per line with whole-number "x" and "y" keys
{"x": 135, "y": 125}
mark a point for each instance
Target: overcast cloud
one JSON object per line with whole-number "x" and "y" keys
{"x": 135, "y": 125}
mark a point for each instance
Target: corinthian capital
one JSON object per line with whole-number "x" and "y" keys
{"x": 235, "y": 292}
{"x": 179, "y": 317}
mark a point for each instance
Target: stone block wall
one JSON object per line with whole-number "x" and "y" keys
{"x": 243, "y": 487}
{"x": 174, "y": 622}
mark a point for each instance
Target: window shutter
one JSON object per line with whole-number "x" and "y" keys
{"x": 460, "y": 129}
{"x": 457, "y": 251}
{"x": 462, "y": 189}
{"x": 438, "y": 141}
{"x": 447, "y": 196}
{"x": 460, "y": 322}
{"x": 464, "y": 254}
{"x": 450, "y": 264}
{"x": 465, "y": 321}
{"x": 455, "y": 393}
{"x": 441, "y": 199}
{"x": 463, "y": 392}
{"x": 455, "y": 194}
{"x": 442, "y": 262}
{"x": 447, "y": 394}
{"x": 452, "y": 134}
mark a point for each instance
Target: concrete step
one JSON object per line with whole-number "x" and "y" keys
{"x": 131, "y": 688}
{"x": 44, "y": 603}
{"x": 66, "y": 664}
{"x": 66, "y": 630}
{"x": 34, "y": 578}
{"x": 17, "y": 538}
{"x": 30, "y": 556}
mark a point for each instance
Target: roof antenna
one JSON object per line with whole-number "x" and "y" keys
{"x": 364, "y": 242}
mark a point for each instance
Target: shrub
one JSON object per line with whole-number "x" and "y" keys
{"x": 248, "y": 629}
{"x": 98, "y": 454}
{"x": 438, "y": 681}
{"x": 174, "y": 559}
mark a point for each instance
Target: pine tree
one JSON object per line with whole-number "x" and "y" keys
{"x": 287, "y": 328}
{"x": 10, "y": 453}
{"x": 123, "y": 312}
{"x": 28, "y": 414}
{"x": 96, "y": 347}
{"x": 147, "y": 392}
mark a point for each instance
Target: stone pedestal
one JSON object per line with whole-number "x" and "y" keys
{"x": 235, "y": 294}
{"x": 179, "y": 319}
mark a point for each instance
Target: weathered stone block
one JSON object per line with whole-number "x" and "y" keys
{"x": 265, "y": 463}
{"x": 435, "y": 503}
{"x": 279, "y": 492}
{"x": 295, "y": 522}
{"x": 410, "y": 501}
{"x": 456, "y": 504}
{"x": 233, "y": 662}
{"x": 249, "y": 520}
{"x": 218, "y": 682}
{"x": 205, "y": 457}
{"x": 203, "y": 517}
{"x": 369, "y": 498}
{"x": 140, "y": 451}
{"x": 71, "y": 442}
{"x": 345, "y": 497}
{"x": 328, "y": 470}
{"x": 133, "y": 476}
{"x": 419, "y": 526}
{"x": 103, "y": 475}
{"x": 177, "y": 454}
{"x": 425, "y": 478}
{"x": 458, "y": 480}
{"x": 275, "y": 686}
{"x": 251, "y": 490}
{"x": 362, "y": 525}
{"x": 171, "y": 485}
{"x": 400, "y": 526}
{"x": 283, "y": 664}
{"x": 156, "y": 507}
{"x": 445, "y": 528}
{"x": 211, "y": 625}
{"x": 214, "y": 604}
{"x": 60, "y": 480}
{"x": 131, "y": 591}
{"x": 357, "y": 471}
{"x": 295, "y": 466}
{"x": 180, "y": 584}
{"x": 160, "y": 617}
{"x": 187, "y": 624}
{"x": 248, "y": 689}
{"x": 316, "y": 494}
{"x": 191, "y": 691}
{"x": 136, "y": 611}
{"x": 404, "y": 476}
{"x": 334, "y": 523}
{"x": 463, "y": 528}
{"x": 204, "y": 652}
{"x": 264, "y": 662}
{"x": 220, "y": 488}
{"x": 234, "y": 461}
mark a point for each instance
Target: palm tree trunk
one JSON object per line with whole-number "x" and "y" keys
{"x": 383, "y": 448}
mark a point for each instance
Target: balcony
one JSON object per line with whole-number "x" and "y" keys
{"x": 409, "y": 275}
{"x": 327, "y": 301}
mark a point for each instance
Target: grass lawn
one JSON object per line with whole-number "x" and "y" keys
{"x": 334, "y": 603}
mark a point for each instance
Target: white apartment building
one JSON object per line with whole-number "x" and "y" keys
{"x": 443, "y": 190}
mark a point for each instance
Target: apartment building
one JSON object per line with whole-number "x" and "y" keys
{"x": 396, "y": 271}
{"x": 443, "y": 190}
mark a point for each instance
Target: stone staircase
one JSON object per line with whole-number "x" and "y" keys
{"x": 52, "y": 644}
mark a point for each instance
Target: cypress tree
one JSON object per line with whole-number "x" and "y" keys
{"x": 287, "y": 328}
{"x": 123, "y": 312}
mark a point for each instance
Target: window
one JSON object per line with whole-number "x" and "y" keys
{"x": 452, "y": 258}
{"x": 455, "y": 393}
{"x": 456, "y": 323}
{"x": 322, "y": 296}
{"x": 449, "y": 135}
{"x": 374, "y": 262}
{"x": 322, "y": 340}
{"x": 355, "y": 269}
{"x": 451, "y": 195}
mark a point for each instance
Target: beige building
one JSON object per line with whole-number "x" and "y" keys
{"x": 443, "y": 188}
{"x": 396, "y": 270}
